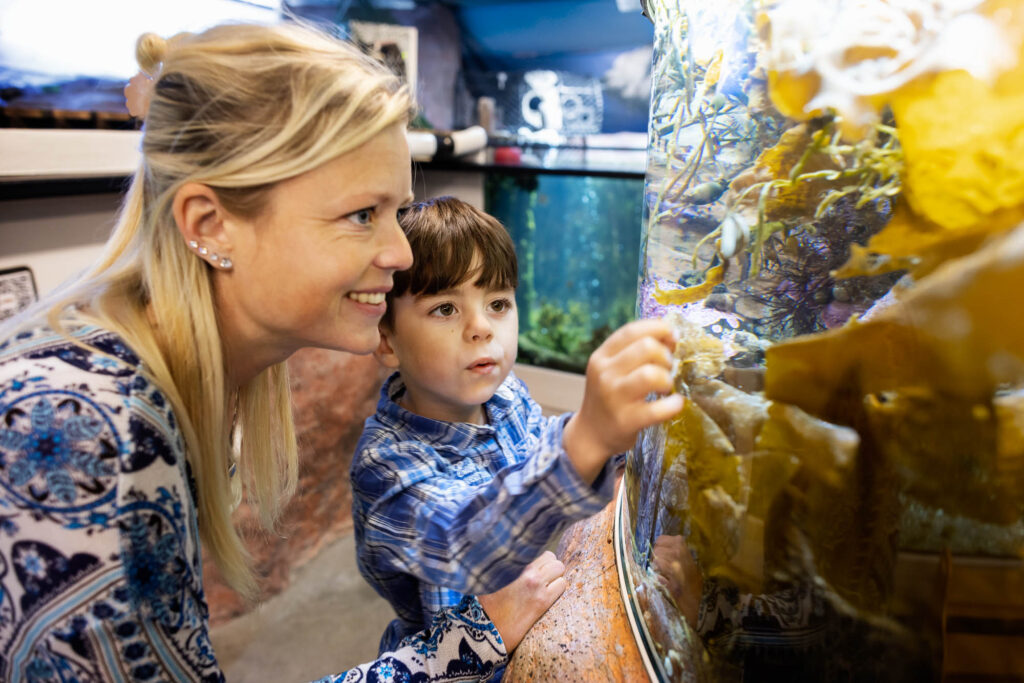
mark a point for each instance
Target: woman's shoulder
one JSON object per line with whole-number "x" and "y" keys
{"x": 88, "y": 384}
{"x": 99, "y": 525}
{"x": 86, "y": 347}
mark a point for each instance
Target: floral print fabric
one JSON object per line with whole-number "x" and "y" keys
{"x": 100, "y": 572}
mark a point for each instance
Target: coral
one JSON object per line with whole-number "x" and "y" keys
{"x": 799, "y": 287}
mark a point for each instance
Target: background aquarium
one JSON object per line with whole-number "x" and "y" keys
{"x": 832, "y": 219}
{"x": 577, "y": 240}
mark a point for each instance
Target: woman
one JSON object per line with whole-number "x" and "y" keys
{"x": 262, "y": 219}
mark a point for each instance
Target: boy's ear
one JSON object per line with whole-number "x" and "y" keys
{"x": 384, "y": 354}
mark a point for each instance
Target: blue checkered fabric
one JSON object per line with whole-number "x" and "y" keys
{"x": 442, "y": 509}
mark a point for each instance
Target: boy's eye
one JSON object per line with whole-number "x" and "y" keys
{"x": 361, "y": 217}
{"x": 444, "y": 310}
{"x": 501, "y": 305}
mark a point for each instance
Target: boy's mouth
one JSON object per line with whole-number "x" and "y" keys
{"x": 483, "y": 366}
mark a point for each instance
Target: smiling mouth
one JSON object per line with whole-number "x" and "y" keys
{"x": 367, "y": 297}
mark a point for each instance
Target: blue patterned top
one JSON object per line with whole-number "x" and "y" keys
{"x": 441, "y": 508}
{"x": 100, "y": 572}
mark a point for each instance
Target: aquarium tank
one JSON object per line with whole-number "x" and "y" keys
{"x": 832, "y": 220}
{"x": 577, "y": 240}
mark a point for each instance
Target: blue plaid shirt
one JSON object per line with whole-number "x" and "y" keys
{"x": 445, "y": 507}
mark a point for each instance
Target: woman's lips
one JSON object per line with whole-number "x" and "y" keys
{"x": 372, "y": 303}
{"x": 367, "y": 297}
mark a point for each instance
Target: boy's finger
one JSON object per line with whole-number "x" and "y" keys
{"x": 556, "y": 588}
{"x": 641, "y": 351}
{"x": 662, "y": 409}
{"x": 654, "y": 412}
{"x": 550, "y": 571}
{"x": 646, "y": 379}
{"x": 544, "y": 557}
{"x": 657, "y": 328}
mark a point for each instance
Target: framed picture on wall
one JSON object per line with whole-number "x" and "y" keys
{"x": 17, "y": 290}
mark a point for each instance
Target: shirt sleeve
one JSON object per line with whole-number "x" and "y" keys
{"x": 425, "y": 521}
{"x": 460, "y": 645}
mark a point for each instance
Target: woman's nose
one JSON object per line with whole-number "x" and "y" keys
{"x": 395, "y": 253}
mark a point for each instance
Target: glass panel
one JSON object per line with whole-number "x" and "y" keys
{"x": 832, "y": 202}
{"x": 578, "y": 241}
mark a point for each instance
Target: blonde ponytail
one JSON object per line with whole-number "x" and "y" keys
{"x": 237, "y": 108}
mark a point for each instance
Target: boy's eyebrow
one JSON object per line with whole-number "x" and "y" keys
{"x": 441, "y": 292}
{"x": 454, "y": 290}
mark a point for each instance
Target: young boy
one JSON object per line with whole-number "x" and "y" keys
{"x": 458, "y": 481}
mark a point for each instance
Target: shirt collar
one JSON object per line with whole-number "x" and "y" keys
{"x": 458, "y": 434}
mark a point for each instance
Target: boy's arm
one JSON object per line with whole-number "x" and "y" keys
{"x": 428, "y": 523}
{"x": 421, "y": 520}
{"x": 633, "y": 363}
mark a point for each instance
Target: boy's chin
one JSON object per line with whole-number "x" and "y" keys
{"x": 492, "y": 381}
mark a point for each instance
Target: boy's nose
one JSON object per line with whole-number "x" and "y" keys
{"x": 479, "y": 328}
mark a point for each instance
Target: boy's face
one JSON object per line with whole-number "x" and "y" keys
{"x": 454, "y": 349}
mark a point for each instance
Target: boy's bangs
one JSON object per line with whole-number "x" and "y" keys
{"x": 497, "y": 263}
{"x": 457, "y": 256}
{"x": 447, "y": 237}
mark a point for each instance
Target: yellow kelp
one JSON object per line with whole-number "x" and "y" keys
{"x": 955, "y": 86}
{"x": 722, "y": 439}
{"x": 952, "y": 332}
{"x": 945, "y": 452}
{"x": 850, "y": 57}
{"x": 930, "y": 379}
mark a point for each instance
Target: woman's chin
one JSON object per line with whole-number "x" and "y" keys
{"x": 360, "y": 345}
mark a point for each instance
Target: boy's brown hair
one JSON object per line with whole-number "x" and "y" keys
{"x": 445, "y": 234}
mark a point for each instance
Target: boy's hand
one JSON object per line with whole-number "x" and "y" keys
{"x": 516, "y": 608}
{"x": 636, "y": 360}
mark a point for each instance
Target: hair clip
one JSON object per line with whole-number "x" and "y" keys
{"x": 139, "y": 93}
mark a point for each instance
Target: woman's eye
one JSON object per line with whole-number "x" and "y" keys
{"x": 361, "y": 217}
{"x": 444, "y": 310}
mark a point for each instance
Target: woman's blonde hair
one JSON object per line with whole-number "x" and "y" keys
{"x": 237, "y": 108}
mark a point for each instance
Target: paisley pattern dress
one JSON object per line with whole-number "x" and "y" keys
{"x": 100, "y": 572}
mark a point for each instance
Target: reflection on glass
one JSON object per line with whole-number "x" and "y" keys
{"x": 831, "y": 219}
{"x": 577, "y": 242}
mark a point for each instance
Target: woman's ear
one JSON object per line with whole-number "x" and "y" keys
{"x": 385, "y": 354}
{"x": 201, "y": 219}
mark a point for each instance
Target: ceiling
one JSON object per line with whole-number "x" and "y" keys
{"x": 508, "y": 29}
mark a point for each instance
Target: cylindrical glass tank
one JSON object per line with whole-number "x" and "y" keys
{"x": 832, "y": 219}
